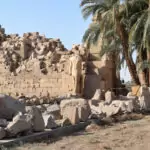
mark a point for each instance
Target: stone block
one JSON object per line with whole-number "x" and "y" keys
{"x": 36, "y": 119}
{"x": 19, "y": 124}
{"x": 81, "y": 104}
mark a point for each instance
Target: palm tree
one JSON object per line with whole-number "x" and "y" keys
{"x": 110, "y": 13}
{"x": 139, "y": 36}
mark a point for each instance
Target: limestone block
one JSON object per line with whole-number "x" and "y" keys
{"x": 19, "y": 124}
{"x": 36, "y": 119}
{"x": 81, "y": 104}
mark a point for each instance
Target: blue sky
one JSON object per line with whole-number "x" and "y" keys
{"x": 54, "y": 18}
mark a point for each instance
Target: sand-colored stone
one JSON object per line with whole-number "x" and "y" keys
{"x": 34, "y": 64}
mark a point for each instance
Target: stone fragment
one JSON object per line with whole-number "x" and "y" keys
{"x": 19, "y": 124}
{"x": 97, "y": 95}
{"x": 109, "y": 97}
{"x": 46, "y": 117}
{"x": 82, "y": 113}
{"x": 96, "y": 110}
{"x": 9, "y": 107}
{"x": 81, "y": 104}
{"x": 2, "y": 133}
{"x": 51, "y": 123}
{"x": 73, "y": 115}
{"x": 110, "y": 110}
{"x": 125, "y": 106}
{"x": 54, "y": 110}
{"x": 36, "y": 119}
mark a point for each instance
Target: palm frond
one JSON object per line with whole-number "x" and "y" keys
{"x": 92, "y": 34}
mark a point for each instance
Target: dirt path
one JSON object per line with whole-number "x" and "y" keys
{"x": 130, "y": 135}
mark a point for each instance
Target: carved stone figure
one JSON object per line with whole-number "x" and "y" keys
{"x": 75, "y": 70}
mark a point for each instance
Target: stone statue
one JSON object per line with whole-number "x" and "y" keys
{"x": 75, "y": 70}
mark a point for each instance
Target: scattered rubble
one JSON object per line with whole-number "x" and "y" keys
{"x": 29, "y": 119}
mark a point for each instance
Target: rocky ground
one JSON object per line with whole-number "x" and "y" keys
{"x": 129, "y": 135}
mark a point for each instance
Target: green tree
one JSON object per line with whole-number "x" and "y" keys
{"x": 139, "y": 36}
{"x": 111, "y": 15}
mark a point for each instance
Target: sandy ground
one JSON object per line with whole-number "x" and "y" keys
{"x": 129, "y": 135}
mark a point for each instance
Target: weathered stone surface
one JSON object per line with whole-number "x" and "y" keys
{"x": 19, "y": 124}
{"x": 46, "y": 117}
{"x": 129, "y": 106}
{"x": 96, "y": 109}
{"x": 2, "y": 133}
{"x": 36, "y": 119}
{"x": 10, "y": 107}
{"x": 54, "y": 110}
{"x": 73, "y": 115}
{"x": 110, "y": 110}
{"x": 97, "y": 95}
{"x": 109, "y": 97}
{"x": 75, "y": 70}
{"x": 81, "y": 104}
{"x": 39, "y": 65}
{"x": 51, "y": 123}
{"x": 125, "y": 106}
{"x": 3, "y": 122}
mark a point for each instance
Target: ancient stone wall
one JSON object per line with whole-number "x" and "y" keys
{"x": 36, "y": 65}
{"x": 56, "y": 84}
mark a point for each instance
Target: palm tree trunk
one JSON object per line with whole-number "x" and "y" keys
{"x": 148, "y": 59}
{"x": 124, "y": 39}
{"x": 141, "y": 73}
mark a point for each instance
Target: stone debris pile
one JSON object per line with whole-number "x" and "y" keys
{"x": 17, "y": 119}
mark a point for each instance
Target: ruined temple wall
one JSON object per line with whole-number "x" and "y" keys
{"x": 100, "y": 76}
{"x": 29, "y": 83}
{"x": 56, "y": 84}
